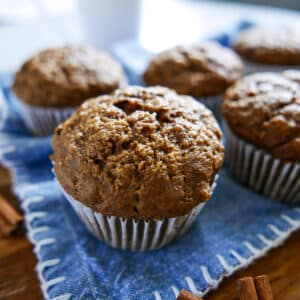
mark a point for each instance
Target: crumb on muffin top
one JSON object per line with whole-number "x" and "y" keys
{"x": 66, "y": 76}
{"x": 275, "y": 46}
{"x": 264, "y": 109}
{"x": 201, "y": 69}
{"x": 139, "y": 153}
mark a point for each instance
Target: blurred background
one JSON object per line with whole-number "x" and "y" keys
{"x": 14, "y": 11}
{"x": 27, "y": 26}
{"x": 291, "y": 4}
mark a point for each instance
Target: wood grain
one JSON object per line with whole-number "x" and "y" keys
{"x": 18, "y": 279}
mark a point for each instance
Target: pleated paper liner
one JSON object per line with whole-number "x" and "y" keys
{"x": 257, "y": 169}
{"x": 130, "y": 234}
{"x": 42, "y": 121}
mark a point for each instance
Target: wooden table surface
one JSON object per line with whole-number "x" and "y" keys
{"x": 18, "y": 279}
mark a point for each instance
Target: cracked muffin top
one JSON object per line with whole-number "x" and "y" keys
{"x": 264, "y": 109}
{"x": 66, "y": 76}
{"x": 277, "y": 46}
{"x": 199, "y": 70}
{"x": 143, "y": 153}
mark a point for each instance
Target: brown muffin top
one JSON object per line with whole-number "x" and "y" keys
{"x": 203, "y": 69}
{"x": 264, "y": 109}
{"x": 139, "y": 153}
{"x": 292, "y": 75}
{"x": 277, "y": 46}
{"x": 66, "y": 76}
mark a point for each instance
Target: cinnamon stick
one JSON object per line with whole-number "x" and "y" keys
{"x": 9, "y": 217}
{"x": 246, "y": 289}
{"x": 263, "y": 287}
{"x": 185, "y": 295}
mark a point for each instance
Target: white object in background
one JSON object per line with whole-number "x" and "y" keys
{"x": 106, "y": 22}
{"x": 18, "y": 11}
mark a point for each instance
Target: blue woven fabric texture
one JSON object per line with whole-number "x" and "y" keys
{"x": 235, "y": 227}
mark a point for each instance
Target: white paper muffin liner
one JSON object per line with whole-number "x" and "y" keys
{"x": 42, "y": 121}
{"x": 260, "y": 171}
{"x": 253, "y": 67}
{"x": 130, "y": 234}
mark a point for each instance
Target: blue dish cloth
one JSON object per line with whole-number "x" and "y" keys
{"x": 235, "y": 227}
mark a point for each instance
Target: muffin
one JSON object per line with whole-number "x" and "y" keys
{"x": 269, "y": 50}
{"x": 292, "y": 75}
{"x": 203, "y": 70}
{"x": 262, "y": 123}
{"x": 138, "y": 165}
{"x": 52, "y": 83}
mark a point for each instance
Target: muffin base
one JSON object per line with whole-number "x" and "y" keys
{"x": 253, "y": 67}
{"x": 260, "y": 171}
{"x": 42, "y": 121}
{"x": 131, "y": 234}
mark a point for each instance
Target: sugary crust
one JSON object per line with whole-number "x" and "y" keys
{"x": 264, "y": 109}
{"x": 203, "y": 69}
{"x": 293, "y": 75}
{"x": 66, "y": 76}
{"x": 277, "y": 46}
{"x": 139, "y": 153}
